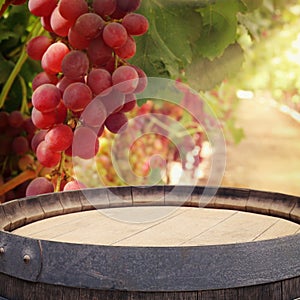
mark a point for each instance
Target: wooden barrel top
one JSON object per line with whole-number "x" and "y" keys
{"x": 208, "y": 238}
{"x": 183, "y": 226}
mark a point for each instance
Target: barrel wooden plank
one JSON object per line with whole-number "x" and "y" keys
{"x": 259, "y": 201}
{"x": 148, "y": 195}
{"x": 282, "y": 205}
{"x": 295, "y": 213}
{"x": 181, "y": 226}
{"x": 70, "y": 203}
{"x": 278, "y": 229}
{"x": 32, "y": 209}
{"x": 51, "y": 205}
{"x": 291, "y": 288}
{"x": 4, "y": 221}
{"x": 14, "y": 214}
{"x": 119, "y": 196}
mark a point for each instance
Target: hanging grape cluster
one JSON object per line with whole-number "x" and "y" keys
{"x": 87, "y": 84}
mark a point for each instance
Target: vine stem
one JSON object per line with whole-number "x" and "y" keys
{"x": 22, "y": 177}
{"x": 60, "y": 171}
{"x": 37, "y": 29}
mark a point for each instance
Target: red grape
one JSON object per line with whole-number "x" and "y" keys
{"x": 98, "y": 52}
{"x": 113, "y": 102}
{"x": 104, "y": 7}
{"x": 85, "y": 143}
{"x": 94, "y": 114}
{"x": 125, "y": 79}
{"x": 37, "y": 46}
{"x": 72, "y": 9}
{"x": 59, "y": 24}
{"x": 128, "y": 49}
{"x": 143, "y": 80}
{"x": 77, "y": 96}
{"x": 5, "y": 142}
{"x": 42, "y": 78}
{"x": 48, "y": 120}
{"x": 89, "y": 25}
{"x": 45, "y": 21}
{"x": 20, "y": 145}
{"x": 59, "y": 138}
{"x": 46, "y": 98}
{"x": 37, "y": 139}
{"x": 52, "y": 58}
{"x": 41, "y": 7}
{"x": 75, "y": 64}
{"x": 135, "y": 24}
{"x": 128, "y": 5}
{"x": 114, "y": 35}
{"x": 118, "y": 14}
{"x": 15, "y": 119}
{"x": 65, "y": 82}
{"x": 76, "y": 40}
{"x": 3, "y": 119}
{"x": 38, "y": 186}
{"x": 74, "y": 185}
{"x": 18, "y": 2}
{"x": 130, "y": 103}
{"x": 47, "y": 157}
{"x": 117, "y": 122}
{"x": 99, "y": 81}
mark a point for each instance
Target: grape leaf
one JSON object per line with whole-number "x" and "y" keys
{"x": 219, "y": 27}
{"x": 167, "y": 46}
{"x": 204, "y": 74}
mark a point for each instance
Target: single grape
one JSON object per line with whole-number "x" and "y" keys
{"x": 52, "y": 58}
{"x": 75, "y": 65}
{"x": 130, "y": 103}
{"x": 48, "y": 120}
{"x": 64, "y": 82}
{"x": 104, "y": 8}
{"x": 85, "y": 143}
{"x": 118, "y": 14}
{"x": 37, "y": 46}
{"x": 46, "y": 98}
{"x": 117, "y": 122}
{"x": 59, "y": 138}
{"x": 38, "y": 186}
{"x": 29, "y": 128}
{"x": 125, "y": 79}
{"x": 142, "y": 82}
{"x": 45, "y": 21}
{"x": 47, "y": 157}
{"x": 15, "y": 119}
{"x": 37, "y": 139}
{"x": 76, "y": 40}
{"x": 59, "y": 24}
{"x": 99, "y": 53}
{"x": 128, "y": 50}
{"x": 74, "y": 185}
{"x": 20, "y": 145}
{"x": 99, "y": 81}
{"x": 41, "y": 7}
{"x": 4, "y": 119}
{"x": 72, "y": 9}
{"x": 77, "y": 96}
{"x": 42, "y": 78}
{"x": 135, "y": 24}
{"x": 128, "y": 5}
{"x": 113, "y": 102}
{"x": 114, "y": 35}
{"x": 94, "y": 114}
{"x": 89, "y": 25}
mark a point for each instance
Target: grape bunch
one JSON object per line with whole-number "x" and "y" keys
{"x": 16, "y": 134}
{"x": 86, "y": 84}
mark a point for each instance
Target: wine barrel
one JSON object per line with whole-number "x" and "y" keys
{"x": 40, "y": 268}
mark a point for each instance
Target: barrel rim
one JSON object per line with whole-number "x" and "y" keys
{"x": 181, "y": 268}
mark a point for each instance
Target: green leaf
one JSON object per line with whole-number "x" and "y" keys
{"x": 219, "y": 27}
{"x": 167, "y": 47}
{"x": 204, "y": 74}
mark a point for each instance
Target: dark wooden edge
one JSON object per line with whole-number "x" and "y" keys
{"x": 168, "y": 268}
{"x": 151, "y": 269}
